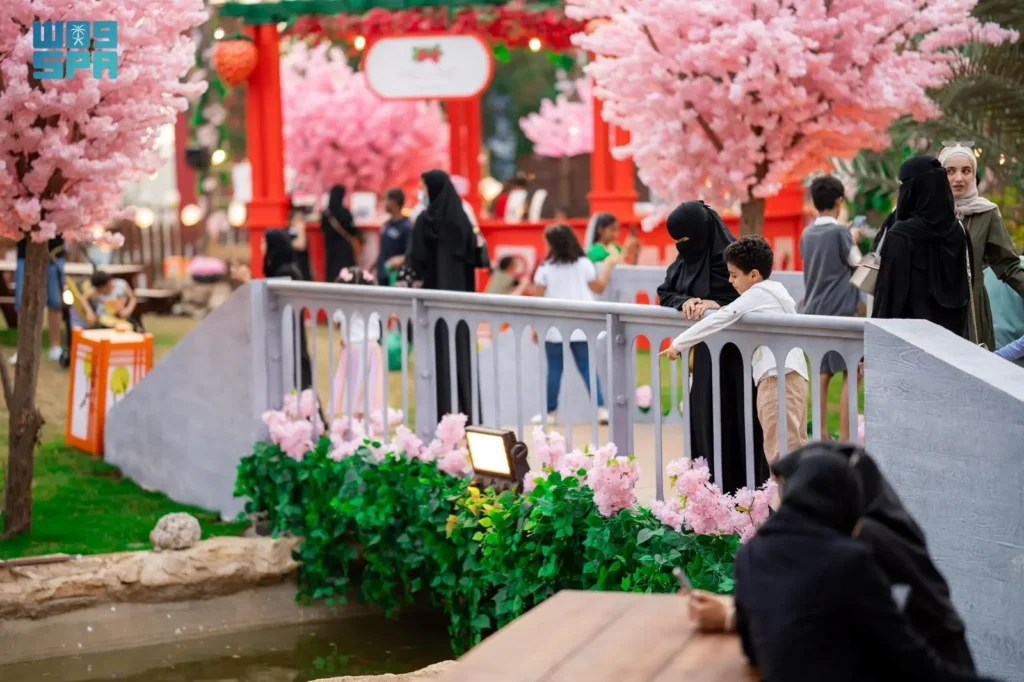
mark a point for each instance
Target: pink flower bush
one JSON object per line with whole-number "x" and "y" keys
{"x": 701, "y": 507}
{"x": 732, "y": 99}
{"x": 613, "y": 479}
{"x": 336, "y": 131}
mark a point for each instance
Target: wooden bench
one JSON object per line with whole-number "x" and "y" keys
{"x": 604, "y": 637}
{"x": 156, "y": 301}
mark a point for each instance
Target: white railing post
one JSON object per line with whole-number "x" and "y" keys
{"x": 618, "y": 384}
{"x": 267, "y": 354}
{"x": 424, "y": 366}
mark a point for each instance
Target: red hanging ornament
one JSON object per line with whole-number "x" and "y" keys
{"x": 234, "y": 59}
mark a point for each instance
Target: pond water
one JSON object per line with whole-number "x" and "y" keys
{"x": 296, "y": 653}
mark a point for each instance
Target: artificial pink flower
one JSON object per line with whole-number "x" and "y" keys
{"x": 408, "y": 442}
{"x": 455, "y": 462}
{"x": 345, "y": 275}
{"x": 452, "y": 429}
{"x": 296, "y": 439}
{"x": 644, "y": 397}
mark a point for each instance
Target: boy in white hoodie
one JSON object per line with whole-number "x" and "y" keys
{"x": 749, "y": 261}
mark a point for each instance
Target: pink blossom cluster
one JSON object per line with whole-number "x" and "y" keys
{"x": 563, "y": 127}
{"x": 68, "y": 146}
{"x": 731, "y": 99}
{"x": 612, "y": 479}
{"x": 644, "y": 397}
{"x": 703, "y": 508}
{"x": 336, "y": 131}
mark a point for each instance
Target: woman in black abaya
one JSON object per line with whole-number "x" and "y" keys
{"x": 922, "y": 273}
{"x": 900, "y": 549}
{"x": 279, "y": 261}
{"x": 443, "y": 256}
{"x": 699, "y": 274}
{"x": 339, "y": 235}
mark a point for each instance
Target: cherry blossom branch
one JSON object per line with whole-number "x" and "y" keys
{"x": 716, "y": 141}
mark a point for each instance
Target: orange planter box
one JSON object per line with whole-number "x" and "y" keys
{"x": 105, "y": 365}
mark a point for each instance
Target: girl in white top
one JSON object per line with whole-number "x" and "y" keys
{"x": 568, "y": 274}
{"x": 749, "y": 261}
{"x": 361, "y": 356}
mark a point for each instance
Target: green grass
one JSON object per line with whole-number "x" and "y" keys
{"x": 82, "y": 505}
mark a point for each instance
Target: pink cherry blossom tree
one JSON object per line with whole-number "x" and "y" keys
{"x": 563, "y": 127}
{"x": 336, "y": 131}
{"x": 731, "y": 99}
{"x": 67, "y": 148}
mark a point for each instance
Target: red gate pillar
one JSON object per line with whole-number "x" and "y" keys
{"x": 264, "y": 139}
{"x": 464, "y": 131}
{"x": 612, "y": 188}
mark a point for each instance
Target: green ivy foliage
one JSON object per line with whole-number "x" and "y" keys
{"x": 399, "y": 531}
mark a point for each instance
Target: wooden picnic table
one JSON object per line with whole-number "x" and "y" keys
{"x": 605, "y": 637}
{"x": 130, "y": 273}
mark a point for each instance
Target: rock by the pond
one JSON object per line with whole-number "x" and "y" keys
{"x": 176, "y": 531}
{"x": 433, "y": 672}
{"x": 213, "y": 567}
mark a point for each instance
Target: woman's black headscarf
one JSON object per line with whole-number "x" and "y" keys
{"x": 701, "y": 237}
{"x": 824, "y": 488}
{"x": 445, "y": 221}
{"x": 926, "y": 213}
{"x": 336, "y": 202}
{"x": 279, "y": 258}
{"x": 899, "y": 546}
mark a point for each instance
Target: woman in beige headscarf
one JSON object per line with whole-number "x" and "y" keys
{"x": 990, "y": 241}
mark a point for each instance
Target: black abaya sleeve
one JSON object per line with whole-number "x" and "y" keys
{"x": 892, "y": 291}
{"x": 668, "y": 297}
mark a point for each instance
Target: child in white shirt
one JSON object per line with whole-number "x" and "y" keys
{"x": 749, "y": 261}
{"x": 568, "y": 274}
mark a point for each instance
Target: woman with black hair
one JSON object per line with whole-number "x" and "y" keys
{"x": 812, "y": 602}
{"x": 341, "y": 238}
{"x": 698, "y": 280}
{"x": 444, "y": 254}
{"x": 297, "y": 231}
{"x": 923, "y": 271}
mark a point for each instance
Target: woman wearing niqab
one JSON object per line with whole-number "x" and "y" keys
{"x": 900, "y": 549}
{"x": 812, "y": 602}
{"x": 443, "y": 255}
{"x": 339, "y": 230}
{"x": 699, "y": 272}
{"x": 922, "y": 273}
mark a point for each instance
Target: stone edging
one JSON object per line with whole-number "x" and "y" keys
{"x": 433, "y": 672}
{"x": 214, "y": 567}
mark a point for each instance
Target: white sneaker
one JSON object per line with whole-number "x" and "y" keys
{"x": 552, "y": 418}
{"x": 13, "y": 360}
{"x": 602, "y": 416}
{"x": 55, "y": 353}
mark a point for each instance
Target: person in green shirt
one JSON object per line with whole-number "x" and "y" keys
{"x": 602, "y": 237}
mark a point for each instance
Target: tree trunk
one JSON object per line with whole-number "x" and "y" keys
{"x": 751, "y": 217}
{"x": 25, "y": 418}
{"x": 565, "y": 177}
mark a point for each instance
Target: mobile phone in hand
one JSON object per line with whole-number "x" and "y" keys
{"x": 859, "y": 221}
{"x": 680, "y": 575}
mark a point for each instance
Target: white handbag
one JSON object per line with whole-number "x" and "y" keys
{"x": 865, "y": 277}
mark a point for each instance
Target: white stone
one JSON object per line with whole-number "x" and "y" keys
{"x": 176, "y": 531}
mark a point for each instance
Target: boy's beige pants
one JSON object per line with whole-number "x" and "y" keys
{"x": 796, "y": 413}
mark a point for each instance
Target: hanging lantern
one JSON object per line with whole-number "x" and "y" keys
{"x": 234, "y": 58}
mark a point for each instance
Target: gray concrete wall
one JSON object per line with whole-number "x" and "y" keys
{"x": 946, "y": 422}
{"x": 184, "y": 428}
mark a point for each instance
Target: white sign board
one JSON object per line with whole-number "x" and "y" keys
{"x": 428, "y": 66}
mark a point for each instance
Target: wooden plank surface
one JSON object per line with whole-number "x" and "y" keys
{"x": 82, "y": 269}
{"x": 604, "y": 637}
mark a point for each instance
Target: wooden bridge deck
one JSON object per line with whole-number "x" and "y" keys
{"x": 604, "y": 637}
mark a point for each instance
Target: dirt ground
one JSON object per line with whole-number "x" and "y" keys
{"x": 52, "y": 394}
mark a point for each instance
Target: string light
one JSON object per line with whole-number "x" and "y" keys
{"x": 191, "y": 215}
{"x": 359, "y": 42}
{"x": 574, "y": 131}
{"x": 535, "y": 44}
{"x": 1002, "y": 159}
{"x": 236, "y": 214}
{"x": 218, "y": 34}
{"x": 219, "y": 157}
{"x": 144, "y": 218}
